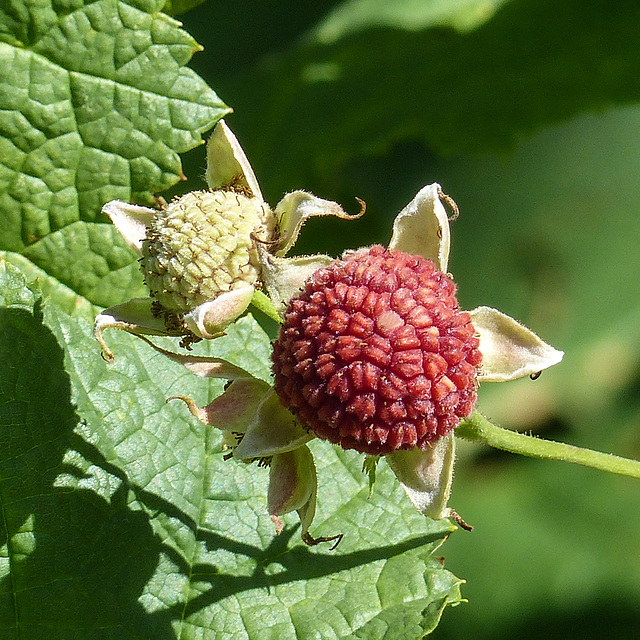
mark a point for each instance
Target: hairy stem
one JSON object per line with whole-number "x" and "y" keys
{"x": 478, "y": 429}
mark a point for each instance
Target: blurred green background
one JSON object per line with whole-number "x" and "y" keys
{"x": 528, "y": 115}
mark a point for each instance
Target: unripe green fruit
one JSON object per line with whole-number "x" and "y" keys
{"x": 201, "y": 245}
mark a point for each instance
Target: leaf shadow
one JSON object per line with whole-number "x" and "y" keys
{"x": 297, "y": 562}
{"x": 78, "y": 563}
{"x": 91, "y": 558}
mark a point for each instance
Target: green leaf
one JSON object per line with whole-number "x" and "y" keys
{"x": 121, "y": 518}
{"x": 66, "y": 299}
{"x": 97, "y": 104}
{"x": 14, "y": 292}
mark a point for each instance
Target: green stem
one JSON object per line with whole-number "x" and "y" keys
{"x": 478, "y": 429}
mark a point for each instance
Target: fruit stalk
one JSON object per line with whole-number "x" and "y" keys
{"x": 478, "y": 429}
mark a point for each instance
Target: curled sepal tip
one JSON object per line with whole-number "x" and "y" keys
{"x": 307, "y": 510}
{"x": 232, "y": 410}
{"x": 134, "y": 316}
{"x": 200, "y": 413}
{"x": 296, "y": 208}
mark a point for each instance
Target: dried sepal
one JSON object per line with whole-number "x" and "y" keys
{"x": 227, "y": 164}
{"x": 284, "y": 277}
{"x": 426, "y": 476}
{"x": 295, "y": 209}
{"x": 130, "y": 220}
{"x": 292, "y": 481}
{"x": 422, "y": 227}
{"x": 509, "y": 349}
{"x": 210, "y": 319}
{"x": 272, "y": 431}
{"x": 203, "y": 366}
{"x": 134, "y": 316}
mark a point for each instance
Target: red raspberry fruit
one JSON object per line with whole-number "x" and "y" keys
{"x": 375, "y": 354}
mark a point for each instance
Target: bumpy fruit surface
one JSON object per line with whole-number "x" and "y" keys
{"x": 375, "y": 354}
{"x": 201, "y": 245}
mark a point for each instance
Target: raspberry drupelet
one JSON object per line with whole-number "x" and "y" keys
{"x": 375, "y": 354}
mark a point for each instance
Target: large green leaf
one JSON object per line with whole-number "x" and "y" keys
{"x": 121, "y": 518}
{"x": 96, "y": 105}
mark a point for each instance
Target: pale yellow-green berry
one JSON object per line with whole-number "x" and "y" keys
{"x": 203, "y": 244}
